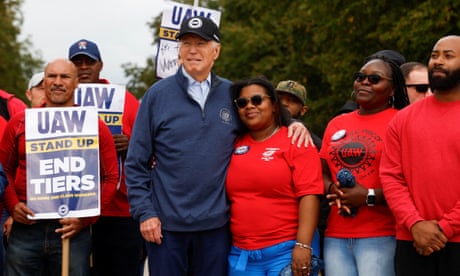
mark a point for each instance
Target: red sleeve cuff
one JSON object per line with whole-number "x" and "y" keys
{"x": 89, "y": 220}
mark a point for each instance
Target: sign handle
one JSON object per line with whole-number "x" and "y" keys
{"x": 65, "y": 257}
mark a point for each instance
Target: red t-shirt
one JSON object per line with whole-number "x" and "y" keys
{"x": 264, "y": 181}
{"x": 355, "y": 142}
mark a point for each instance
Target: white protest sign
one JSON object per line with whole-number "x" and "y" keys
{"x": 166, "y": 63}
{"x": 109, "y": 99}
{"x": 62, "y": 154}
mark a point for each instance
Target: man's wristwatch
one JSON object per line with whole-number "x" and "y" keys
{"x": 370, "y": 200}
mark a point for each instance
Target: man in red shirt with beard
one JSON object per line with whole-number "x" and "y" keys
{"x": 420, "y": 169}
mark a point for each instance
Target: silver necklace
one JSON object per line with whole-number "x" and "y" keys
{"x": 269, "y": 136}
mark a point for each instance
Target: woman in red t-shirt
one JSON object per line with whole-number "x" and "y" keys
{"x": 359, "y": 237}
{"x": 273, "y": 187}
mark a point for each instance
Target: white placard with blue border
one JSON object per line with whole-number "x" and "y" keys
{"x": 109, "y": 99}
{"x": 167, "y": 61}
{"x": 62, "y": 154}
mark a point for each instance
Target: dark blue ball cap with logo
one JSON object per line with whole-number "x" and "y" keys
{"x": 85, "y": 47}
{"x": 201, "y": 26}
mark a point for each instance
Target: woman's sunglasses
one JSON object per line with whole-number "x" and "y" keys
{"x": 372, "y": 78}
{"x": 255, "y": 100}
{"x": 420, "y": 88}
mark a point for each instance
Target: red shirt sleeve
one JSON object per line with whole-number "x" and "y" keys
{"x": 15, "y": 106}
{"x": 9, "y": 152}
{"x": 108, "y": 164}
{"x": 129, "y": 113}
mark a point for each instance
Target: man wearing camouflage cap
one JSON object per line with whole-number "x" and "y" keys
{"x": 293, "y": 96}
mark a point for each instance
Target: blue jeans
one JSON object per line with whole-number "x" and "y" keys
{"x": 4, "y": 216}
{"x": 272, "y": 259}
{"x": 363, "y": 256}
{"x": 37, "y": 250}
{"x": 266, "y": 261}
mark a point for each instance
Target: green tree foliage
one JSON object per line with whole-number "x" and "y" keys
{"x": 140, "y": 78}
{"x": 321, "y": 44}
{"x": 17, "y": 63}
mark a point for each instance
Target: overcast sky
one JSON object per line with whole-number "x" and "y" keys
{"x": 119, "y": 27}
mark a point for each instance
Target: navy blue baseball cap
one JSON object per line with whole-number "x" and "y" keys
{"x": 85, "y": 47}
{"x": 201, "y": 26}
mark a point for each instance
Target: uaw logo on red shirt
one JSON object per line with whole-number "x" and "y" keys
{"x": 355, "y": 150}
{"x": 267, "y": 155}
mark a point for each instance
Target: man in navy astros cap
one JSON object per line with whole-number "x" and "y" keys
{"x": 86, "y": 56}
{"x": 116, "y": 240}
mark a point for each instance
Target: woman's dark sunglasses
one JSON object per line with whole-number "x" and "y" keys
{"x": 372, "y": 78}
{"x": 255, "y": 100}
{"x": 420, "y": 88}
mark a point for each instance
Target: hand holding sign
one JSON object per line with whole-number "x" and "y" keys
{"x": 121, "y": 142}
{"x": 21, "y": 213}
{"x": 70, "y": 227}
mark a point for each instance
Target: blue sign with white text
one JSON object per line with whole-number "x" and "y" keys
{"x": 62, "y": 152}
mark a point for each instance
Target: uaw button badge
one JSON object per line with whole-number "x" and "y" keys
{"x": 241, "y": 150}
{"x": 338, "y": 135}
{"x": 63, "y": 210}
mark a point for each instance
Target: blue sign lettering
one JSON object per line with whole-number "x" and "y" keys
{"x": 100, "y": 99}
{"x": 61, "y": 122}
{"x": 177, "y": 16}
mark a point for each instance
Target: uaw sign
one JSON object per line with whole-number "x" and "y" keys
{"x": 108, "y": 99}
{"x": 62, "y": 153}
{"x": 167, "y": 58}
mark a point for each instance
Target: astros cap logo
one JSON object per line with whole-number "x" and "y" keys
{"x": 82, "y": 45}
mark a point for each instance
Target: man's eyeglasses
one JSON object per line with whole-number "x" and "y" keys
{"x": 372, "y": 78}
{"x": 255, "y": 100}
{"x": 420, "y": 88}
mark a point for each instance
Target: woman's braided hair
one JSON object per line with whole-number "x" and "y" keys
{"x": 401, "y": 99}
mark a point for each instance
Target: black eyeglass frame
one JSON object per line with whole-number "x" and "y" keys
{"x": 255, "y": 100}
{"x": 420, "y": 87}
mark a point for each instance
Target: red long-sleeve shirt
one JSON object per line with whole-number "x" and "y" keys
{"x": 420, "y": 167}
{"x": 119, "y": 206}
